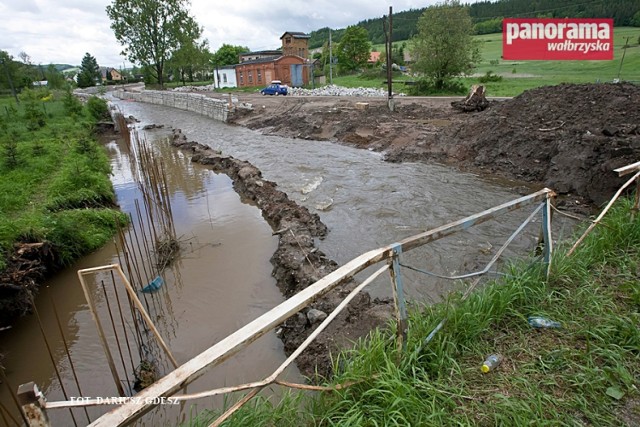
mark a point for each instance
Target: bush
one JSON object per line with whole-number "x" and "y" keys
{"x": 72, "y": 105}
{"x": 98, "y": 108}
{"x": 33, "y": 112}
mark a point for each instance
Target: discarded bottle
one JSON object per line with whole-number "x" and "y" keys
{"x": 491, "y": 363}
{"x": 542, "y": 322}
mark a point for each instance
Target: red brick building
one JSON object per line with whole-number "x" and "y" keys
{"x": 294, "y": 43}
{"x": 290, "y": 65}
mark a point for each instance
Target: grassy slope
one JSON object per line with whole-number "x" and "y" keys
{"x": 60, "y": 189}
{"x": 542, "y": 72}
{"x": 584, "y": 373}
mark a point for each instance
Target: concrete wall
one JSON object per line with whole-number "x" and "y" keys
{"x": 213, "y": 108}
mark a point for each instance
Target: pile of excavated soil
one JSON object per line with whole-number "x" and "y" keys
{"x": 568, "y": 137}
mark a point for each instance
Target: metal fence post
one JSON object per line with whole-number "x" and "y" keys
{"x": 33, "y": 404}
{"x": 398, "y": 296}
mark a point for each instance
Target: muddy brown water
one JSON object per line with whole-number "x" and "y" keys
{"x": 223, "y": 280}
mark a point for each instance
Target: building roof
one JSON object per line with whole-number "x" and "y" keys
{"x": 262, "y": 52}
{"x": 260, "y": 60}
{"x": 296, "y": 35}
{"x": 374, "y": 57}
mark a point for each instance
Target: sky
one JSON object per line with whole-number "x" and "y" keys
{"x": 63, "y": 31}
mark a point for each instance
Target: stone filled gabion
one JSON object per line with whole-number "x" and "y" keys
{"x": 333, "y": 90}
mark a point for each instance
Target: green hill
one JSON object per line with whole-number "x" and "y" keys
{"x": 488, "y": 15}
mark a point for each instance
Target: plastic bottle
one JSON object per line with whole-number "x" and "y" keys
{"x": 542, "y": 322}
{"x": 491, "y": 363}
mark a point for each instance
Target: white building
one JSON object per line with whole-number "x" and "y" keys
{"x": 225, "y": 77}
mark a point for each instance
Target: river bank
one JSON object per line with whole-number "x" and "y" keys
{"x": 57, "y": 200}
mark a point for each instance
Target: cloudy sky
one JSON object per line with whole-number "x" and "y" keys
{"x": 62, "y": 31}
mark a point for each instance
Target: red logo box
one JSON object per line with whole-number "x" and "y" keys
{"x": 557, "y": 39}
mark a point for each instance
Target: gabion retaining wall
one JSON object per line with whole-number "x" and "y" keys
{"x": 214, "y": 108}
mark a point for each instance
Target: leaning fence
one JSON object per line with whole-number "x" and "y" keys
{"x": 388, "y": 259}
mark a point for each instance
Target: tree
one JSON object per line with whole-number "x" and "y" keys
{"x": 443, "y": 47}
{"x": 228, "y": 55}
{"x": 55, "y": 79}
{"x": 89, "y": 71}
{"x": 152, "y": 30}
{"x": 190, "y": 59}
{"x": 354, "y": 49}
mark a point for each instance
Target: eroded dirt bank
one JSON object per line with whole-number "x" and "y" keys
{"x": 567, "y": 137}
{"x": 297, "y": 263}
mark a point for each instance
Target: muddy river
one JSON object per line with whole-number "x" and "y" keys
{"x": 222, "y": 279}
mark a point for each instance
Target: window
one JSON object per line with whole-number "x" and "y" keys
{"x": 241, "y": 78}
{"x": 250, "y": 77}
{"x": 287, "y": 40}
{"x": 224, "y": 78}
{"x": 259, "y": 73}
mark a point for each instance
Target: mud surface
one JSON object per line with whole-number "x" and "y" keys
{"x": 567, "y": 137}
{"x": 297, "y": 263}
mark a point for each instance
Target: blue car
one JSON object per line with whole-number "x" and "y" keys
{"x": 275, "y": 88}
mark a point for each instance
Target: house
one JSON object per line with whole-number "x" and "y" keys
{"x": 295, "y": 43}
{"x": 225, "y": 77}
{"x": 289, "y": 65}
{"x": 374, "y": 58}
{"x": 110, "y": 74}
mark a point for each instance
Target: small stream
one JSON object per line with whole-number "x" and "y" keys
{"x": 223, "y": 278}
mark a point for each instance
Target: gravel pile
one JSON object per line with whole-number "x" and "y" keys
{"x": 333, "y": 90}
{"x": 207, "y": 88}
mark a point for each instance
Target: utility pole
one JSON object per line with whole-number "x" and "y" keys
{"x": 389, "y": 46}
{"x": 330, "y": 59}
{"x": 624, "y": 51}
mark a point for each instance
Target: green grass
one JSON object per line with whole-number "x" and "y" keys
{"x": 540, "y": 73}
{"x": 581, "y": 374}
{"x": 58, "y": 190}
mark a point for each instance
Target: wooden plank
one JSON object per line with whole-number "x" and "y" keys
{"x": 468, "y": 222}
{"x": 626, "y": 170}
{"x": 103, "y": 338}
{"x": 233, "y": 343}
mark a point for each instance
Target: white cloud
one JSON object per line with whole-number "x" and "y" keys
{"x": 62, "y": 31}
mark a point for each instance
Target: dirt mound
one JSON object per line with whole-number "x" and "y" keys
{"x": 568, "y": 137}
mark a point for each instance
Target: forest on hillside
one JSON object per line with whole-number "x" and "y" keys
{"x": 487, "y": 16}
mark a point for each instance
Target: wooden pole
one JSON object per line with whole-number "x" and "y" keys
{"x": 390, "y": 62}
{"x": 546, "y": 227}
{"x": 602, "y": 214}
{"x": 136, "y": 301}
{"x": 33, "y": 403}
{"x": 96, "y": 319}
{"x": 6, "y": 382}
